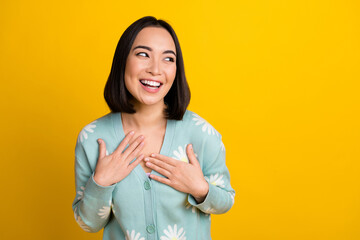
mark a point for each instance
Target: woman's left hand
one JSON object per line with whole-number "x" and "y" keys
{"x": 182, "y": 176}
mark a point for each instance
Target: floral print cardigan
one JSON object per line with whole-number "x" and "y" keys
{"x": 138, "y": 207}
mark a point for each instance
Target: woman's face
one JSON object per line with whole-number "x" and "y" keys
{"x": 151, "y": 66}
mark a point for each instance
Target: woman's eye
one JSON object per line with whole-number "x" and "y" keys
{"x": 169, "y": 59}
{"x": 142, "y": 54}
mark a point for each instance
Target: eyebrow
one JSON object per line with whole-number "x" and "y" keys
{"x": 150, "y": 49}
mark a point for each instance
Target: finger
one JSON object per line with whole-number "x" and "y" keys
{"x": 160, "y": 170}
{"x": 166, "y": 159}
{"x": 136, "y": 162}
{"x": 160, "y": 179}
{"x": 134, "y": 153}
{"x": 160, "y": 163}
{"x": 132, "y": 146}
{"x": 102, "y": 148}
{"x": 191, "y": 155}
{"x": 124, "y": 143}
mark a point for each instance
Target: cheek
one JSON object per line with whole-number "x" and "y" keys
{"x": 132, "y": 70}
{"x": 171, "y": 73}
{"x": 129, "y": 71}
{"x": 133, "y": 67}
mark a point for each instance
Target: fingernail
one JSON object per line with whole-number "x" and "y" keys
{"x": 153, "y": 154}
{"x": 132, "y": 132}
{"x": 99, "y": 141}
{"x": 190, "y": 146}
{"x": 147, "y": 159}
{"x": 141, "y": 137}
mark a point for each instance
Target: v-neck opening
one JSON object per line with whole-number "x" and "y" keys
{"x": 165, "y": 146}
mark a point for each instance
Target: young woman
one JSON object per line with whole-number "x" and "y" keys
{"x": 150, "y": 169}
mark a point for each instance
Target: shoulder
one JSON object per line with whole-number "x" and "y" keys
{"x": 204, "y": 136}
{"x": 199, "y": 124}
{"x": 95, "y": 128}
{"x": 200, "y": 132}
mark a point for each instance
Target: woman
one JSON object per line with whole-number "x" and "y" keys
{"x": 150, "y": 169}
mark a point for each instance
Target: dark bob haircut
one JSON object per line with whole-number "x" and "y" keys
{"x": 115, "y": 93}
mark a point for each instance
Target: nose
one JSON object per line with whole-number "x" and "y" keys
{"x": 154, "y": 67}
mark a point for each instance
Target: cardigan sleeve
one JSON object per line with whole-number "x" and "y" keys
{"x": 220, "y": 197}
{"x": 92, "y": 203}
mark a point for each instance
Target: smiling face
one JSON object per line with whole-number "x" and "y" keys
{"x": 151, "y": 66}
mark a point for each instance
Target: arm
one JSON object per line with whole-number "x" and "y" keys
{"x": 92, "y": 202}
{"x": 211, "y": 185}
{"x": 220, "y": 197}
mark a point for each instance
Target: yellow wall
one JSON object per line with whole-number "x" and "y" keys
{"x": 279, "y": 80}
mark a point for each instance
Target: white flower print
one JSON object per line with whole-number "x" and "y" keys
{"x": 133, "y": 236}
{"x": 81, "y": 193}
{"x": 105, "y": 211}
{"x": 80, "y": 221}
{"x": 216, "y": 180}
{"x": 181, "y": 154}
{"x": 193, "y": 208}
{"x": 209, "y": 210}
{"x": 232, "y": 195}
{"x": 222, "y": 147}
{"x": 173, "y": 234}
{"x": 206, "y": 126}
{"x": 88, "y": 128}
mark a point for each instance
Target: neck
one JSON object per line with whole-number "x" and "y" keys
{"x": 146, "y": 116}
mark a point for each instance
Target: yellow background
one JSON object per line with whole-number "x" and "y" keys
{"x": 278, "y": 79}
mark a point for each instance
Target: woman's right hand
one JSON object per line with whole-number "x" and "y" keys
{"x": 113, "y": 168}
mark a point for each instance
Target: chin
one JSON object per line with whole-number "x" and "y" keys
{"x": 150, "y": 102}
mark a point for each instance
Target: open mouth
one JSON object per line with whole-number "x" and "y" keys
{"x": 150, "y": 84}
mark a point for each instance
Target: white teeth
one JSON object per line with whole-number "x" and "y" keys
{"x": 151, "y": 83}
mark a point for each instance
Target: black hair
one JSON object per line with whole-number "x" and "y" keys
{"x": 115, "y": 93}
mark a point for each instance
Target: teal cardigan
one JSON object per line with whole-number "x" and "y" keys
{"x": 138, "y": 207}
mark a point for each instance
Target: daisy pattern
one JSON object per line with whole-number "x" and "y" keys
{"x": 232, "y": 195}
{"x": 181, "y": 154}
{"x": 222, "y": 147}
{"x": 105, "y": 211}
{"x": 206, "y": 126}
{"x": 81, "y": 193}
{"x": 80, "y": 221}
{"x": 133, "y": 235}
{"x": 193, "y": 208}
{"x": 210, "y": 210}
{"x": 88, "y": 128}
{"x": 173, "y": 234}
{"x": 216, "y": 180}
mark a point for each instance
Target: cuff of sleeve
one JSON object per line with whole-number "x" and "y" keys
{"x": 97, "y": 191}
{"x": 207, "y": 201}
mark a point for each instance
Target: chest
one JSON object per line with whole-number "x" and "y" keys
{"x": 153, "y": 143}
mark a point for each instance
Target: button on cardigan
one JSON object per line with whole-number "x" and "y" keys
{"x": 138, "y": 207}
